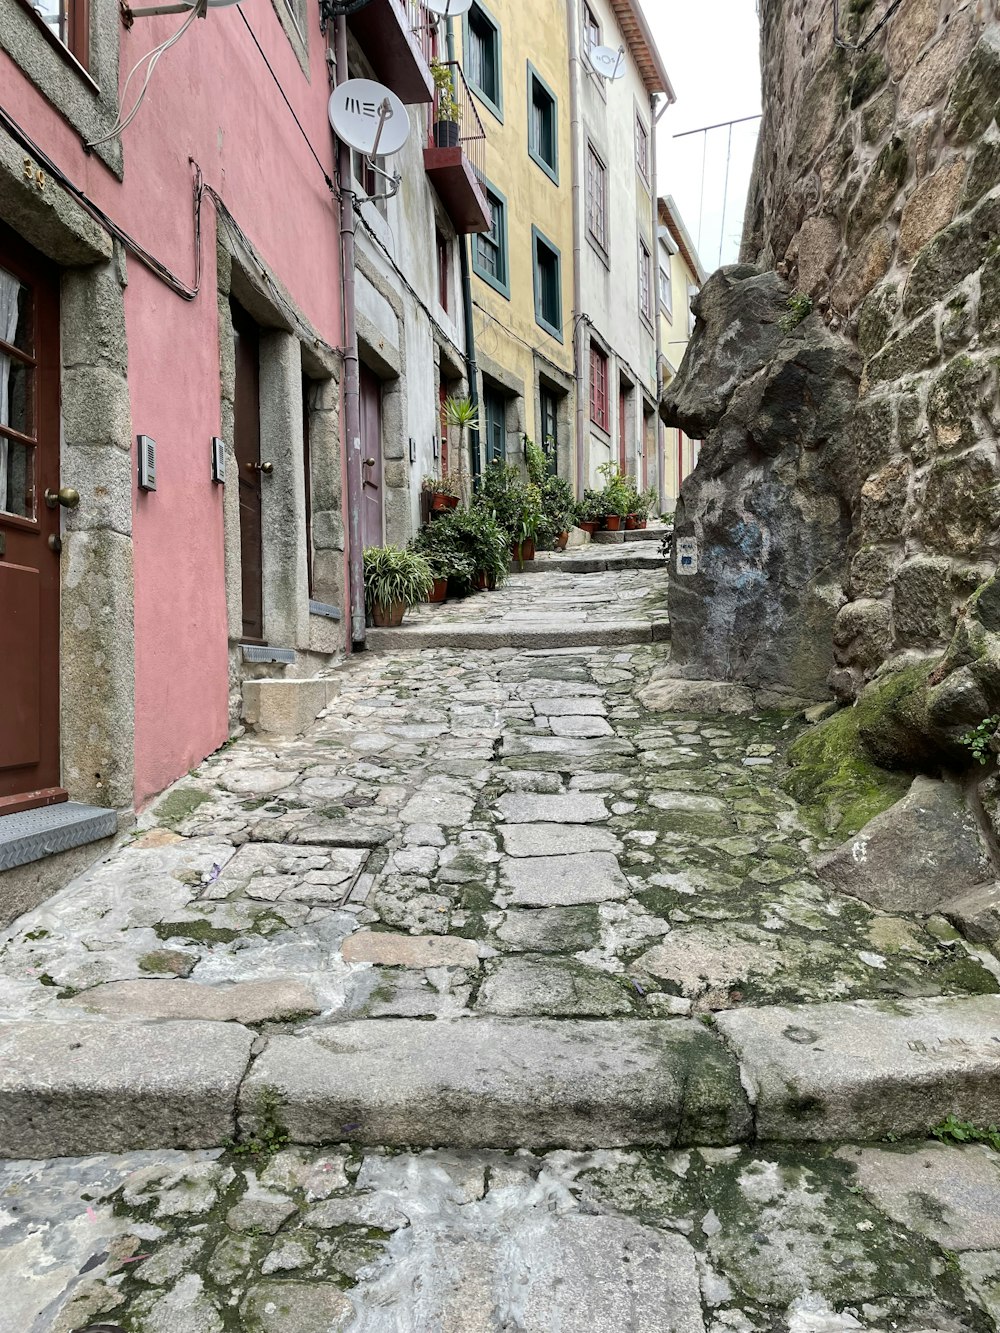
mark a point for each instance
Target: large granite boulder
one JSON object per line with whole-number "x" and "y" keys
{"x": 762, "y": 526}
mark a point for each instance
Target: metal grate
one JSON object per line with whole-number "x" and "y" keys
{"x": 253, "y": 652}
{"x": 33, "y": 834}
{"x": 324, "y": 609}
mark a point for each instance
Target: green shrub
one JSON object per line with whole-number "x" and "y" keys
{"x": 516, "y": 505}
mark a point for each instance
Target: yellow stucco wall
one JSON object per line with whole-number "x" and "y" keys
{"x": 508, "y": 337}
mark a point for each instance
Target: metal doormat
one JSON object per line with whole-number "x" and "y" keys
{"x": 32, "y": 834}
{"x": 254, "y": 652}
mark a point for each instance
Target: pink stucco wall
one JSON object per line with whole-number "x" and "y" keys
{"x": 211, "y": 99}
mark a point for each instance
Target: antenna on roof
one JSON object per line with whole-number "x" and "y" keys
{"x": 371, "y": 119}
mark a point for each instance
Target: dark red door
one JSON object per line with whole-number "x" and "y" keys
{"x": 371, "y": 458}
{"x": 29, "y": 528}
{"x": 622, "y": 422}
{"x": 246, "y": 442}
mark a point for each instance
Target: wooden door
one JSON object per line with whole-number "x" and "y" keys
{"x": 371, "y": 458}
{"x": 622, "y": 427}
{"x": 29, "y": 528}
{"x": 246, "y": 430}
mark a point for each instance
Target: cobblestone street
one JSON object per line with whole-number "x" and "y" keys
{"x": 489, "y": 901}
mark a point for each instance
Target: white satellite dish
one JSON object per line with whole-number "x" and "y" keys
{"x": 369, "y": 116}
{"x": 608, "y": 62}
{"x": 448, "y": 8}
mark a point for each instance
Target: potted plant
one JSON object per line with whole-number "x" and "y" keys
{"x": 447, "y": 112}
{"x": 484, "y": 542}
{"x": 463, "y": 414}
{"x": 394, "y": 581}
{"x": 647, "y": 505}
{"x": 516, "y": 506}
{"x": 617, "y": 495}
{"x": 443, "y": 492}
{"x": 444, "y": 549}
{"x": 590, "y": 511}
{"x": 557, "y": 513}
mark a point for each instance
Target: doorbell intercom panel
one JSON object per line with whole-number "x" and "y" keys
{"x": 218, "y": 460}
{"x": 147, "y": 462}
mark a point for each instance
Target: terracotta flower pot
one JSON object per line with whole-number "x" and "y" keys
{"x": 440, "y": 590}
{"x": 640, "y": 522}
{"x": 481, "y": 582}
{"x": 631, "y": 522}
{"x": 384, "y": 617}
{"x": 613, "y": 522}
{"x": 441, "y": 501}
{"x": 561, "y": 541}
{"x": 589, "y": 526}
{"x": 522, "y": 551}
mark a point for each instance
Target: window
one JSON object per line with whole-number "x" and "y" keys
{"x": 666, "y": 290}
{"x": 591, "y": 30}
{"x": 599, "y": 413}
{"x": 489, "y": 256}
{"x": 645, "y": 282}
{"x": 495, "y": 424}
{"x": 443, "y": 268}
{"x": 69, "y": 22}
{"x": 641, "y": 148}
{"x": 543, "y": 140}
{"x": 597, "y": 198}
{"x": 482, "y": 57}
{"x": 692, "y": 293}
{"x": 549, "y": 415}
{"x": 548, "y": 285}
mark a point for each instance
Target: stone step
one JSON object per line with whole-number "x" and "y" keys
{"x": 491, "y": 1082}
{"x": 503, "y": 634}
{"x": 286, "y": 707}
{"x": 863, "y": 1070}
{"x": 588, "y": 560}
{"x": 623, "y": 535}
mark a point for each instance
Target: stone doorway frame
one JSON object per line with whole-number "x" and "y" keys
{"x": 97, "y": 629}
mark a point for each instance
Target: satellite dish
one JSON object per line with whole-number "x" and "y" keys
{"x": 448, "y": 8}
{"x": 369, "y": 116}
{"x": 608, "y": 62}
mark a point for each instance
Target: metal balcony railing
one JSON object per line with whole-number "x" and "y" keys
{"x": 459, "y": 126}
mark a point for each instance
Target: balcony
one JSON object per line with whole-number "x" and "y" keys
{"x": 389, "y": 33}
{"x": 455, "y": 156}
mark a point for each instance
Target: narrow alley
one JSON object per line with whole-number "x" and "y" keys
{"x": 493, "y": 908}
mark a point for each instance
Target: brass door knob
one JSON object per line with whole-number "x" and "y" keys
{"x": 368, "y": 462}
{"x": 65, "y": 496}
{"x": 267, "y": 468}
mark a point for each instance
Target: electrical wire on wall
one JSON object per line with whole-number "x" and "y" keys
{"x": 869, "y": 37}
{"x": 160, "y": 270}
{"x": 153, "y": 58}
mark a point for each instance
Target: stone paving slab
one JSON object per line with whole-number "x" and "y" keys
{"x": 868, "y": 1069}
{"x": 73, "y": 1088}
{"x": 309, "y": 1241}
{"x": 607, "y": 633}
{"x": 491, "y": 1082}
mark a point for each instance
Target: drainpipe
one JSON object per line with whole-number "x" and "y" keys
{"x": 472, "y": 365}
{"x": 655, "y": 114}
{"x": 579, "y": 328}
{"x": 352, "y": 380}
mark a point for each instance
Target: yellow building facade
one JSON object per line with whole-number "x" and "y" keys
{"x": 516, "y": 63}
{"x": 680, "y": 278}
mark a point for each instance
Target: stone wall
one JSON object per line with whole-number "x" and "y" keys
{"x": 876, "y": 195}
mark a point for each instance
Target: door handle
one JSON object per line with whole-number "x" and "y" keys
{"x": 368, "y": 462}
{"x": 65, "y": 496}
{"x": 266, "y": 468}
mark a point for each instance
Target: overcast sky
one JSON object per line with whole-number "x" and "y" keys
{"x": 710, "y": 49}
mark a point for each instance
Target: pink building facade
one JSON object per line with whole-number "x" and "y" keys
{"x": 173, "y": 287}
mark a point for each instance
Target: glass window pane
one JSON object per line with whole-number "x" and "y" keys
{"x": 17, "y": 478}
{"x": 16, "y": 395}
{"x": 16, "y": 322}
{"x": 53, "y": 15}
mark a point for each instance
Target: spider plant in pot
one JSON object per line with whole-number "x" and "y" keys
{"x": 394, "y": 581}
{"x": 463, "y": 414}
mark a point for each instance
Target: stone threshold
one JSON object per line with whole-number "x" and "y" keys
{"x": 32, "y": 835}
{"x": 857, "y": 1070}
{"x": 484, "y": 635}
